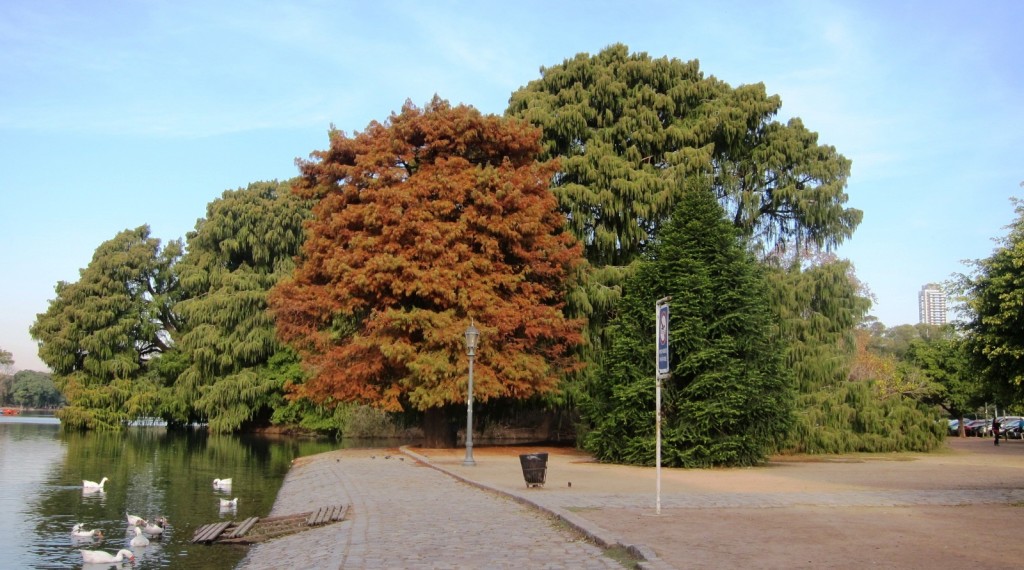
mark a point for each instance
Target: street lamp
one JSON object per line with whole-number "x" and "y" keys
{"x": 472, "y": 334}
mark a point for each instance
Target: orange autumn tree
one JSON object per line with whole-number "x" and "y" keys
{"x": 431, "y": 220}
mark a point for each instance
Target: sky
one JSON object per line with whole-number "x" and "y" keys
{"x": 122, "y": 113}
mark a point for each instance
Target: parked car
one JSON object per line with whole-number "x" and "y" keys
{"x": 1012, "y": 428}
{"x": 954, "y": 427}
{"x": 978, "y": 428}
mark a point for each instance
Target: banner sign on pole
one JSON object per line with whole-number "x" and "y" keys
{"x": 661, "y": 315}
{"x": 663, "y": 364}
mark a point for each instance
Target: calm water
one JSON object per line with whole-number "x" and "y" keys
{"x": 151, "y": 473}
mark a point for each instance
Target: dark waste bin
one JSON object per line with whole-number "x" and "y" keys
{"x": 535, "y": 468}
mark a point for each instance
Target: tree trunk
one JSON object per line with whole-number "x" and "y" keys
{"x": 440, "y": 429}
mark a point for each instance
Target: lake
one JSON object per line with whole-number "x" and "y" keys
{"x": 151, "y": 473}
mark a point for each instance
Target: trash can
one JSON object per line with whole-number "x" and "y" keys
{"x": 535, "y": 468}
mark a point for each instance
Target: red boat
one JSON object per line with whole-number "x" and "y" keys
{"x": 11, "y": 411}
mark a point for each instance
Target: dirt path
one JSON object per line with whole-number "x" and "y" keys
{"x": 960, "y": 508}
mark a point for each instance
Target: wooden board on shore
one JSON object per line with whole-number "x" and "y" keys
{"x": 255, "y": 529}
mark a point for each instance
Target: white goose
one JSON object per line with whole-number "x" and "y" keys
{"x": 93, "y": 485}
{"x": 78, "y": 531}
{"x": 229, "y": 503}
{"x": 140, "y": 539}
{"x": 134, "y": 520}
{"x": 155, "y": 529}
{"x": 101, "y": 557}
{"x": 223, "y": 484}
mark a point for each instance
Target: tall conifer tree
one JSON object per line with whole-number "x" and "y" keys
{"x": 629, "y": 128}
{"x": 729, "y": 400}
{"x": 630, "y": 131}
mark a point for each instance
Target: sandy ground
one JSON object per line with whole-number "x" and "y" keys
{"x": 956, "y": 508}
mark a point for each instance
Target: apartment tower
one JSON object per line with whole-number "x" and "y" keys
{"x": 931, "y": 305}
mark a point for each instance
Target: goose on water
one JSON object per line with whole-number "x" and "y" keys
{"x": 134, "y": 520}
{"x": 155, "y": 528}
{"x": 86, "y": 484}
{"x": 78, "y": 531}
{"x": 222, "y": 483}
{"x": 229, "y": 503}
{"x": 140, "y": 539}
{"x": 101, "y": 557}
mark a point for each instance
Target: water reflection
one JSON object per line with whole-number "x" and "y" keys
{"x": 151, "y": 473}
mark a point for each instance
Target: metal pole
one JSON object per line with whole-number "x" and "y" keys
{"x": 657, "y": 449}
{"x": 659, "y": 374}
{"x": 469, "y": 417}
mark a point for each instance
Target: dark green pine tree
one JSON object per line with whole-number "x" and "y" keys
{"x": 230, "y": 370}
{"x": 729, "y": 400}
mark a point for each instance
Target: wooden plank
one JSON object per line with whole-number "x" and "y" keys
{"x": 202, "y": 532}
{"x": 316, "y": 518}
{"x": 210, "y": 532}
{"x": 199, "y": 531}
{"x": 243, "y": 527}
{"x": 327, "y": 514}
{"x": 255, "y": 529}
{"x": 215, "y": 531}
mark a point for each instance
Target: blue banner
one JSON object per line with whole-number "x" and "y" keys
{"x": 663, "y": 365}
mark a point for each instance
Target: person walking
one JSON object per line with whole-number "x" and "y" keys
{"x": 995, "y": 429}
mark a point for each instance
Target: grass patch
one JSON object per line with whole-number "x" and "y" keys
{"x": 617, "y": 553}
{"x": 622, "y": 556}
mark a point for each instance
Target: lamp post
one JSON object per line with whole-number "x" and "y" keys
{"x": 472, "y": 334}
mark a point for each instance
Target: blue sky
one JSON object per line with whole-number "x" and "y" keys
{"x": 123, "y": 113}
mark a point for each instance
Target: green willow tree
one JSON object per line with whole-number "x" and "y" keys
{"x": 231, "y": 370}
{"x": 435, "y": 219}
{"x": 101, "y": 334}
{"x": 729, "y": 400}
{"x": 628, "y": 129}
{"x": 819, "y": 308}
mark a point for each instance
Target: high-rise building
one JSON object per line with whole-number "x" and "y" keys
{"x": 931, "y": 305}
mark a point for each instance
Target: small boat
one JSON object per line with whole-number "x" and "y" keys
{"x": 11, "y": 411}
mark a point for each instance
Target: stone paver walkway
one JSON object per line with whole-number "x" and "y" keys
{"x": 403, "y": 514}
